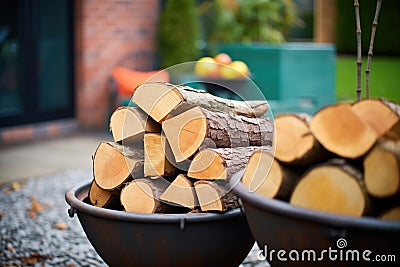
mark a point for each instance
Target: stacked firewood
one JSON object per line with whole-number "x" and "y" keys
{"x": 176, "y": 150}
{"x": 345, "y": 159}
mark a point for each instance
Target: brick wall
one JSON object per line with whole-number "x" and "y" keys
{"x": 106, "y": 31}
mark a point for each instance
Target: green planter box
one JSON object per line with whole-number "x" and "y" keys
{"x": 293, "y": 77}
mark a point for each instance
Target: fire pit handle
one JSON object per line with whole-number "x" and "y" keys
{"x": 71, "y": 212}
{"x": 182, "y": 224}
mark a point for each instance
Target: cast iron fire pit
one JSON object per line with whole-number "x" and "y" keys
{"x": 277, "y": 225}
{"x": 129, "y": 239}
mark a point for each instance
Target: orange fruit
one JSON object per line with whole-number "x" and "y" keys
{"x": 223, "y": 58}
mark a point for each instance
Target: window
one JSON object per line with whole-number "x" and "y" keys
{"x": 36, "y": 61}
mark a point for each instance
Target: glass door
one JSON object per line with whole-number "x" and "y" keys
{"x": 36, "y": 61}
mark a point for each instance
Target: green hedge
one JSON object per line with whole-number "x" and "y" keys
{"x": 387, "y": 41}
{"x": 178, "y": 32}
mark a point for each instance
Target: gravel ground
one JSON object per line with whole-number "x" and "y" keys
{"x": 35, "y": 229}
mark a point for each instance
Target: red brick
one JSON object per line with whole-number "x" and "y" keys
{"x": 17, "y": 134}
{"x": 106, "y": 32}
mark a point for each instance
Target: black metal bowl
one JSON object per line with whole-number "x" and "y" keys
{"x": 131, "y": 239}
{"x": 277, "y": 225}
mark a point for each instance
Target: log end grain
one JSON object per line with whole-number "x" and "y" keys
{"x": 263, "y": 174}
{"x": 342, "y": 132}
{"x": 157, "y": 99}
{"x": 208, "y": 165}
{"x": 185, "y": 133}
{"x": 110, "y": 168}
{"x": 180, "y": 192}
{"x": 330, "y": 188}
{"x": 381, "y": 172}
{"x": 379, "y": 114}
{"x": 293, "y": 138}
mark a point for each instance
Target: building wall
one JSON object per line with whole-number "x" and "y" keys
{"x": 107, "y": 31}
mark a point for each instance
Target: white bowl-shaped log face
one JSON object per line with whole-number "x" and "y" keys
{"x": 110, "y": 167}
{"x": 185, "y": 133}
{"x": 209, "y": 197}
{"x": 157, "y": 99}
{"x": 381, "y": 173}
{"x": 180, "y": 192}
{"x": 137, "y": 197}
{"x": 263, "y": 174}
{"x": 293, "y": 138}
{"x": 330, "y": 189}
{"x": 125, "y": 123}
{"x": 208, "y": 165}
{"x": 342, "y": 132}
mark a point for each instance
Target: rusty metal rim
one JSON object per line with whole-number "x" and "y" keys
{"x": 297, "y": 213}
{"x": 74, "y": 197}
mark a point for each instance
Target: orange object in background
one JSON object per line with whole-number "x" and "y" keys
{"x": 127, "y": 80}
{"x": 223, "y": 58}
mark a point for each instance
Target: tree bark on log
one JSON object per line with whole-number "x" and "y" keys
{"x": 214, "y": 196}
{"x": 129, "y": 124}
{"x": 197, "y": 127}
{"x": 339, "y": 130}
{"x": 334, "y": 187}
{"x": 382, "y": 169}
{"x": 155, "y": 160}
{"x": 114, "y": 164}
{"x": 143, "y": 196}
{"x": 295, "y": 144}
{"x": 266, "y": 176}
{"x": 159, "y": 99}
{"x": 220, "y": 163}
{"x": 381, "y": 114}
{"x": 180, "y": 192}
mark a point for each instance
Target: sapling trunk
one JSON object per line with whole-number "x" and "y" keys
{"x": 371, "y": 46}
{"x": 359, "y": 58}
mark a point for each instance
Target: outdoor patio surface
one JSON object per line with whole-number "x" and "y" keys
{"x": 35, "y": 229}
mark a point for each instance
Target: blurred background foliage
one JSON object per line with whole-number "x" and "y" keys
{"x": 247, "y": 21}
{"x": 387, "y": 40}
{"x": 179, "y": 32}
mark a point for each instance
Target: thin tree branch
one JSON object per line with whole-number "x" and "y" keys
{"x": 359, "y": 58}
{"x": 371, "y": 46}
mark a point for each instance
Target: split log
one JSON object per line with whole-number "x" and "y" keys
{"x": 159, "y": 99}
{"x": 214, "y": 196}
{"x": 188, "y": 131}
{"x": 128, "y": 125}
{"x": 381, "y": 114}
{"x": 143, "y": 196}
{"x": 334, "y": 187}
{"x": 266, "y": 176}
{"x": 114, "y": 164}
{"x": 155, "y": 161}
{"x": 180, "y": 192}
{"x": 382, "y": 169}
{"x": 392, "y": 214}
{"x": 342, "y": 132}
{"x": 103, "y": 198}
{"x": 294, "y": 141}
{"x": 219, "y": 163}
